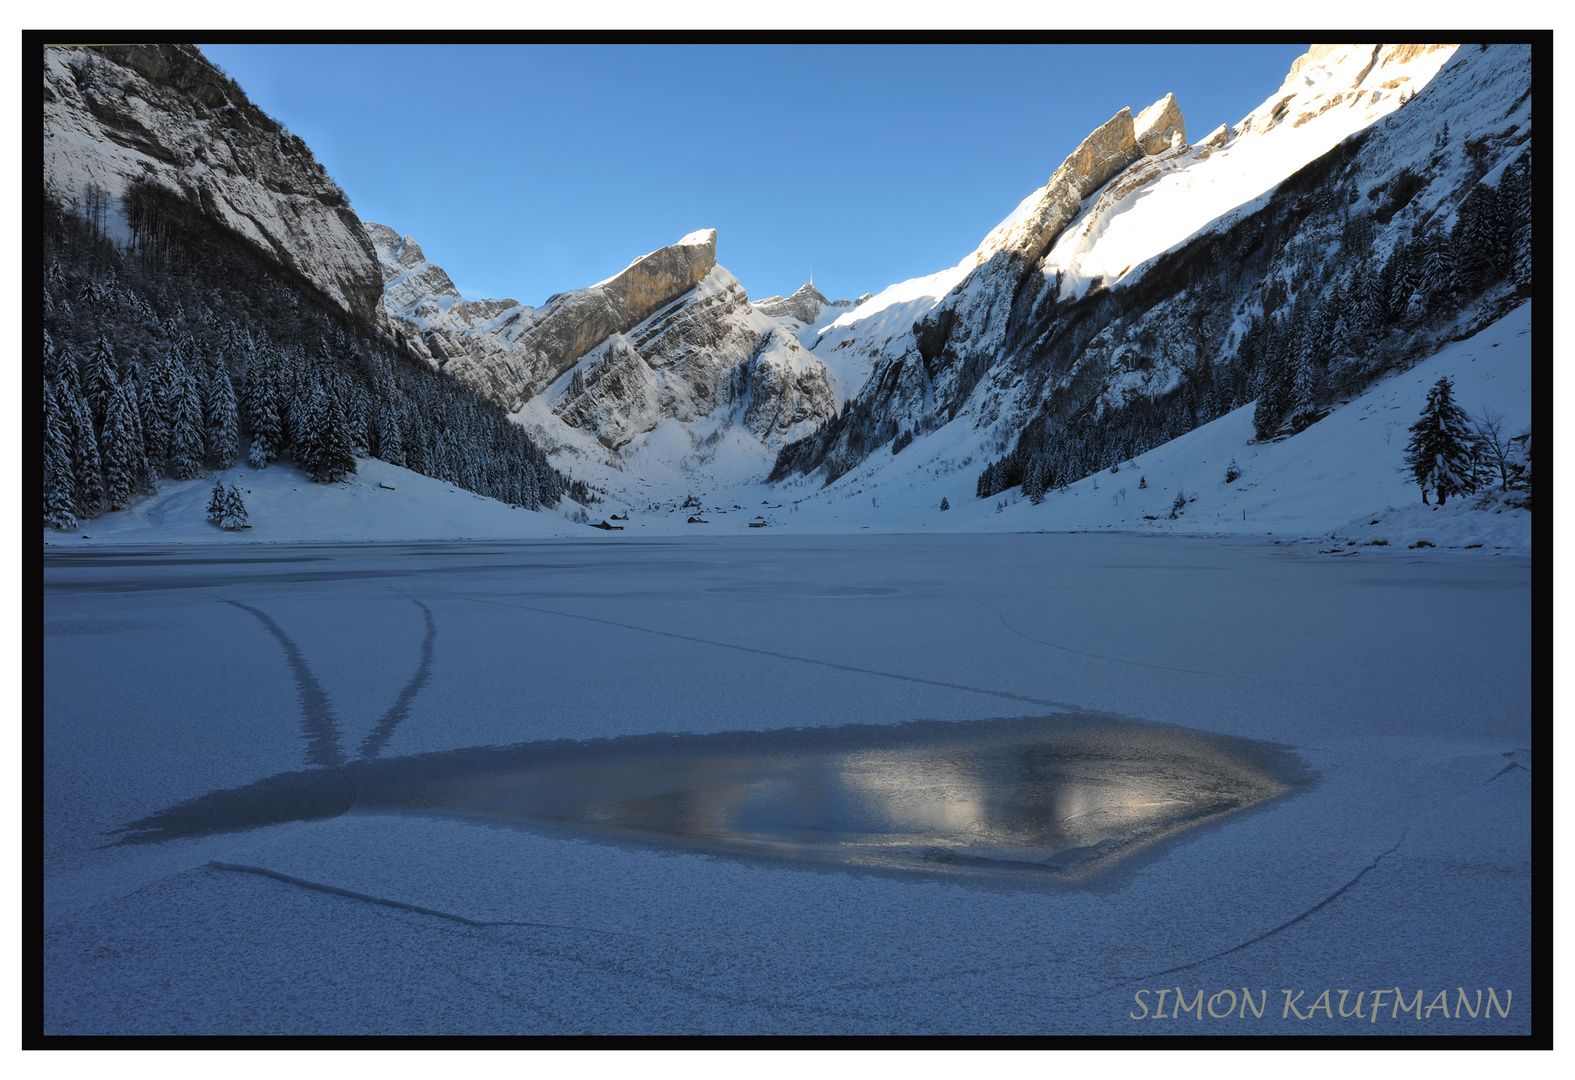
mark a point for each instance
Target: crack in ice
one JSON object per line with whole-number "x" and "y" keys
{"x": 1007, "y": 694}
{"x": 1165, "y": 667}
{"x": 1287, "y": 924}
{"x": 400, "y": 905}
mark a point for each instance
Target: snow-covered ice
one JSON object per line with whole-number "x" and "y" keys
{"x": 1401, "y": 680}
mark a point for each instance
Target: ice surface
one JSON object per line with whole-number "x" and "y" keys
{"x": 1402, "y": 681}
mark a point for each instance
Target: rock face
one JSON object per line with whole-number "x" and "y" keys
{"x": 508, "y": 351}
{"x": 1012, "y": 329}
{"x": 710, "y": 351}
{"x": 672, "y": 337}
{"x": 969, "y": 327}
{"x": 807, "y": 305}
{"x": 1159, "y": 126}
{"x": 120, "y": 117}
{"x": 1041, "y": 217}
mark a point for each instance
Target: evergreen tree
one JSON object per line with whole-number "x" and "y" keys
{"x": 153, "y": 407}
{"x": 1306, "y": 385}
{"x": 324, "y": 449}
{"x": 87, "y": 475}
{"x": 1437, "y": 271}
{"x": 186, "y": 436}
{"x": 59, "y": 480}
{"x": 266, "y": 425}
{"x": 1479, "y": 239}
{"x": 224, "y": 434}
{"x": 124, "y": 465}
{"x": 232, "y": 511}
{"x": 415, "y": 439}
{"x": 216, "y": 501}
{"x": 102, "y": 382}
{"x": 390, "y": 439}
{"x": 1438, "y": 456}
{"x": 337, "y": 454}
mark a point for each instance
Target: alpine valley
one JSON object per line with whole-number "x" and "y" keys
{"x": 1232, "y": 330}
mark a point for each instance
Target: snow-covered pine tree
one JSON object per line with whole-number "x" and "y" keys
{"x": 1438, "y": 457}
{"x": 102, "y": 381}
{"x": 1400, "y": 271}
{"x": 327, "y": 454}
{"x": 153, "y": 406}
{"x": 86, "y": 470}
{"x": 1520, "y": 466}
{"x": 216, "y": 501}
{"x": 59, "y": 480}
{"x": 267, "y": 427}
{"x": 224, "y": 435}
{"x": 1306, "y": 388}
{"x": 1479, "y": 239}
{"x": 414, "y": 437}
{"x": 390, "y": 438}
{"x": 232, "y": 512}
{"x": 147, "y": 472}
{"x": 306, "y": 421}
{"x": 186, "y": 435}
{"x": 124, "y": 464}
{"x": 1437, "y": 276}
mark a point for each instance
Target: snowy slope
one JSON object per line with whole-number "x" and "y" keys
{"x": 1321, "y": 102}
{"x": 1009, "y": 334}
{"x": 1160, "y": 201}
{"x": 1334, "y": 477}
{"x": 379, "y": 502}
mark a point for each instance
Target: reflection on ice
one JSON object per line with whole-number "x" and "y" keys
{"x": 1057, "y": 794}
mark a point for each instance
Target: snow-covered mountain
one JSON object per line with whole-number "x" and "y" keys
{"x": 1131, "y": 279}
{"x": 1373, "y": 209}
{"x": 673, "y": 343}
{"x": 132, "y": 130}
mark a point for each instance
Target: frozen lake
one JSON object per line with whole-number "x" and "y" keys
{"x": 1007, "y": 783}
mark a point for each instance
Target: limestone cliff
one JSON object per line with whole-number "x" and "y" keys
{"x": 671, "y": 337}
{"x": 118, "y": 118}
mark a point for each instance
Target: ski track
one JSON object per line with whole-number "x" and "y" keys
{"x": 320, "y": 727}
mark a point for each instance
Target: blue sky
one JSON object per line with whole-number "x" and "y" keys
{"x": 527, "y": 170}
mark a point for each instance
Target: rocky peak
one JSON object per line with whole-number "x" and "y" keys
{"x": 1107, "y": 150}
{"x": 805, "y": 305}
{"x": 1159, "y": 126}
{"x": 161, "y": 118}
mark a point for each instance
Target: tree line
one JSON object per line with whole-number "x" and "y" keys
{"x": 1324, "y": 329}
{"x": 167, "y": 359}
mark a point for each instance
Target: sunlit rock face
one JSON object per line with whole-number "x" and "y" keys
{"x": 122, "y": 117}
{"x": 672, "y": 337}
{"x": 1089, "y": 296}
{"x": 709, "y": 351}
{"x": 1159, "y": 126}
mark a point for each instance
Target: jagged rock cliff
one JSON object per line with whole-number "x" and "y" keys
{"x": 1013, "y": 329}
{"x": 672, "y": 337}
{"x": 709, "y": 352}
{"x": 806, "y": 306}
{"x": 127, "y": 120}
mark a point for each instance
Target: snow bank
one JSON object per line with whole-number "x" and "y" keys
{"x": 379, "y": 502}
